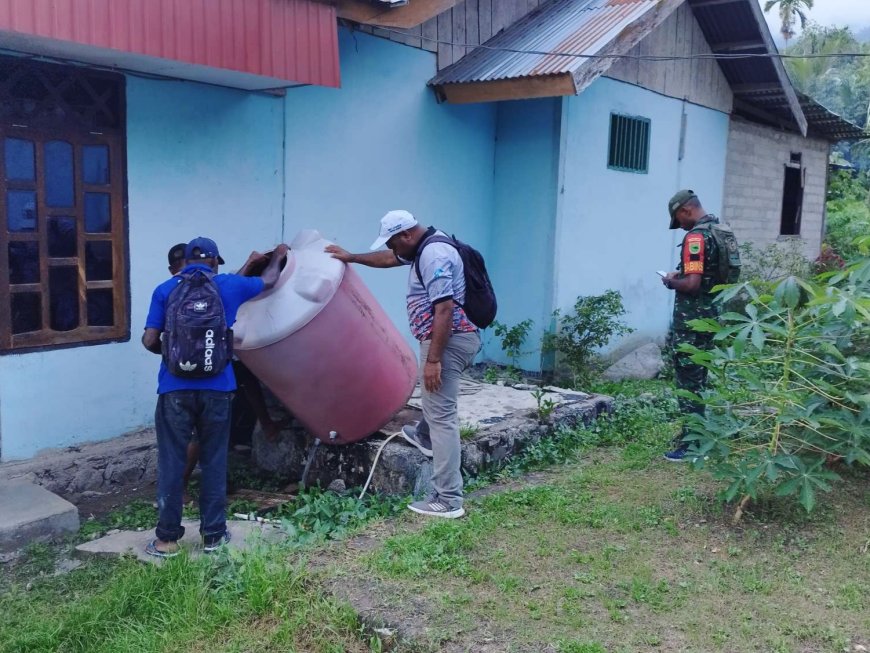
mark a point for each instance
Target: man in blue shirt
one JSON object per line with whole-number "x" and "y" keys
{"x": 203, "y": 404}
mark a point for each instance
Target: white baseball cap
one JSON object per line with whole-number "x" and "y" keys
{"x": 393, "y": 223}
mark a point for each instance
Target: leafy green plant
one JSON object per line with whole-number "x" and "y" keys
{"x": 318, "y": 515}
{"x": 545, "y": 407}
{"x": 491, "y": 374}
{"x": 764, "y": 265}
{"x": 579, "y": 333}
{"x": 512, "y": 339}
{"x": 136, "y": 514}
{"x": 848, "y": 213}
{"x": 788, "y": 387}
{"x": 496, "y": 373}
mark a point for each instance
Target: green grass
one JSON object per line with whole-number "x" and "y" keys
{"x": 610, "y": 549}
{"x": 179, "y": 606}
{"x": 261, "y": 599}
{"x": 468, "y": 431}
{"x": 632, "y": 552}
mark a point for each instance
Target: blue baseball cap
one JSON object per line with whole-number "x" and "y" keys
{"x": 201, "y": 247}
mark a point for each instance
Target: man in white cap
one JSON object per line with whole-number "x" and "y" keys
{"x": 448, "y": 345}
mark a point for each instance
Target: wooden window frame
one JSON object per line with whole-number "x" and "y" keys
{"x": 79, "y": 137}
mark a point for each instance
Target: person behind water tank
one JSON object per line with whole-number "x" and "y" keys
{"x": 448, "y": 345}
{"x": 203, "y": 404}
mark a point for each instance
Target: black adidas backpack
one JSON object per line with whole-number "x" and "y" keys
{"x": 196, "y": 341}
{"x": 480, "y": 303}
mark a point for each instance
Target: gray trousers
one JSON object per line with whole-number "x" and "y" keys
{"x": 441, "y": 414}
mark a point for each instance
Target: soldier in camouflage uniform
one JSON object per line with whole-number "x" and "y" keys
{"x": 692, "y": 283}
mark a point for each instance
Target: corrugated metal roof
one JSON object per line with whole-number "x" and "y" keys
{"x": 589, "y": 27}
{"x": 291, "y": 40}
{"x": 578, "y": 27}
{"x": 826, "y": 124}
{"x": 727, "y": 24}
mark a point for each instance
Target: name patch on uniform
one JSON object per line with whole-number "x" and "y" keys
{"x": 693, "y": 254}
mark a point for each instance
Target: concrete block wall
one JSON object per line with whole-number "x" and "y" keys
{"x": 754, "y": 177}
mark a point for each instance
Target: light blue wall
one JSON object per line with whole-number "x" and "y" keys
{"x": 201, "y": 161}
{"x": 612, "y": 227}
{"x": 382, "y": 142}
{"x": 526, "y": 177}
{"x": 209, "y": 161}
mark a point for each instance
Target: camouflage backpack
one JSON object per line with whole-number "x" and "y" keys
{"x": 727, "y": 267}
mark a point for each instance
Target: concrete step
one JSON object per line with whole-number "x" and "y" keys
{"x": 244, "y": 534}
{"x": 30, "y": 513}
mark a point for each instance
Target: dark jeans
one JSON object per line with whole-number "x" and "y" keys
{"x": 178, "y": 414}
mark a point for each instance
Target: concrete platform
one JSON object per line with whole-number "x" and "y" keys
{"x": 244, "y": 535}
{"x": 499, "y": 422}
{"x": 30, "y": 513}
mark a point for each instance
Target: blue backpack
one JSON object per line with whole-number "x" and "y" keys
{"x": 196, "y": 341}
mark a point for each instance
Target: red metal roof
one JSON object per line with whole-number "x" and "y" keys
{"x": 291, "y": 40}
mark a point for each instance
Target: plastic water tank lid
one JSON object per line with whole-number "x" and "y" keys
{"x": 302, "y": 291}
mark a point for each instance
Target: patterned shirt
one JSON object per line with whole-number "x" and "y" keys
{"x": 443, "y": 278}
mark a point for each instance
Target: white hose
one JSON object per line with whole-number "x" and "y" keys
{"x": 375, "y": 464}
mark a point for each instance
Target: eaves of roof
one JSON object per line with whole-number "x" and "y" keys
{"x": 521, "y": 61}
{"x": 565, "y": 45}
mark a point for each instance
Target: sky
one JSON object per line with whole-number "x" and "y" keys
{"x": 854, "y": 13}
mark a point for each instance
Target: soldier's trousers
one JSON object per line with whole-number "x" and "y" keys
{"x": 688, "y": 374}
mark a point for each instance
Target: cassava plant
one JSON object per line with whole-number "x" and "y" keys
{"x": 789, "y": 387}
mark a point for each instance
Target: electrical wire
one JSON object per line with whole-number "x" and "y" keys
{"x": 715, "y": 56}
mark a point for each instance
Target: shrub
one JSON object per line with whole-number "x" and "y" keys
{"x": 848, "y": 212}
{"x": 788, "y": 387}
{"x": 828, "y": 260}
{"x": 764, "y": 266}
{"x": 767, "y": 264}
{"x": 580, "y": 333}
{"x": 512, "y": 338}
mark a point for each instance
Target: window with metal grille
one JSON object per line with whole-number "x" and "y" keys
{"x": 63, "y": 229}
{"x": 629, "y": 144}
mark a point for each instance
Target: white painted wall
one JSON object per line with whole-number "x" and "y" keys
{"x": 612, "y": 227}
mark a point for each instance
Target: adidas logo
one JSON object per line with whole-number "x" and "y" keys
{"x": 187, "y": 367}
{"x": 200, "y": 307}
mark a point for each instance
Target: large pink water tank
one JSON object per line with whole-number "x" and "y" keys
{"x": 324, "y": 346}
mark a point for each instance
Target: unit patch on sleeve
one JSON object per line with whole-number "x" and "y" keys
{"x": 693, "y": 253}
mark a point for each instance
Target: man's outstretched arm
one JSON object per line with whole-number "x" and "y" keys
{"x": 382, "y": 258}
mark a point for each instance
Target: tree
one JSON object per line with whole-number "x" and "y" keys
{"x": 788, "y": 11}
{"x": 841, "y": 84}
